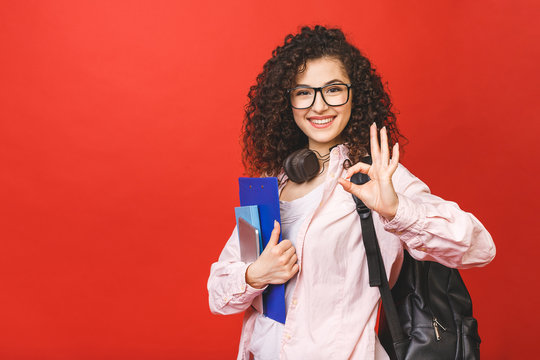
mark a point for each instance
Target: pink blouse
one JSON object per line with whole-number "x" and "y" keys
{"x": 333, "y": 311}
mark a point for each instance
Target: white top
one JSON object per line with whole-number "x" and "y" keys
{"x": 267, "y": 334}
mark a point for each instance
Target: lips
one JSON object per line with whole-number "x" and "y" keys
{"x": 321, "y": 122}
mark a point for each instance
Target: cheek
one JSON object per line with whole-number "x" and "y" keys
{"x": 346, "y": 113}
{"x": 299, "y": 116}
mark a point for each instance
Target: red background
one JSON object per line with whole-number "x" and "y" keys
{"x": 119, "y": 153}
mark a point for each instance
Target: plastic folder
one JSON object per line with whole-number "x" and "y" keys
{"x": 248, "y": 237}
{"x": 251, "y": 215}
{"x": 263, "y": 192}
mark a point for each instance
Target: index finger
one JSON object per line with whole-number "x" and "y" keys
{"x": 285, "y": 244}
{"x": 358, "y": 167}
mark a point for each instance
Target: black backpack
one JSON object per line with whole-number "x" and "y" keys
{"x": 428, "y": 312}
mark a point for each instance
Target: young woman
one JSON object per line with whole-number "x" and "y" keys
{"x": 319, "y": 92}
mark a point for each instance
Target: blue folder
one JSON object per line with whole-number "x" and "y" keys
{"x": 264, "y": 193}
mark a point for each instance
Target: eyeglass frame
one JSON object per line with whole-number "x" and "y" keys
{"x": 318, "y": 89}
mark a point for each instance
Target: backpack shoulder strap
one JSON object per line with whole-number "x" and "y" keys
{"x": 377, "y": 272}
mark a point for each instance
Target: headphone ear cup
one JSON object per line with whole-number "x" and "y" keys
{"x": 301, "y": 166}
{"x": 310, "y": 165}
{"x": 290, "y": 169}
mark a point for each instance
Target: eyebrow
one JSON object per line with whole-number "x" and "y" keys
{"x": 327, "y": 83}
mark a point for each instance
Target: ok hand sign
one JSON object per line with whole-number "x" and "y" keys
{"x": 378, "y": 194}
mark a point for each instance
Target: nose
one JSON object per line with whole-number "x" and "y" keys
{"x": 319, "y": 105}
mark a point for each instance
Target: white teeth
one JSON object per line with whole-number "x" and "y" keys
{"x": 322, "y": 122}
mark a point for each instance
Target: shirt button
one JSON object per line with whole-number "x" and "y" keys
{"x": 288, "y": 336}
{"x": 294, "y": 301}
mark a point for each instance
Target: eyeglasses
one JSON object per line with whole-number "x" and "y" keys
{"x": 303, "y": 97}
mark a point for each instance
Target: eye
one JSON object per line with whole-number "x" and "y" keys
{"x": 333, "y": 89}
{"x": 303, "y": 92}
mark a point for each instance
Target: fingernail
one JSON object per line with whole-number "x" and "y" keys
{"x": 275, "y": 223}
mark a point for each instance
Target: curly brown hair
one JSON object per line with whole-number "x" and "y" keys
{"x": 269, "y": 131}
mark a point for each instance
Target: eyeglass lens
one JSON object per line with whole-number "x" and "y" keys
{"x": 333, "y": 95}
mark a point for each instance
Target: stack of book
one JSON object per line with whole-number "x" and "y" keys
{"x": 259, "y": 208}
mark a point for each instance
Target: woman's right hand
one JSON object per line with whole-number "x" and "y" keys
{"x": 276, "y": 265}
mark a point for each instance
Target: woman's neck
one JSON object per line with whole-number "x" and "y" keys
{"x": 323, "y": 149}
{"x": 322, "y": 157}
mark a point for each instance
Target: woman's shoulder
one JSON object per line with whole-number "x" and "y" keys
{"x": 403, "y": 179}
{"x": 402, "y": 173}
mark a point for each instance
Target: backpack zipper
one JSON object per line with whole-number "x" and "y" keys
{"x": 435, "y": 322}
{"x": 436, "y": 325}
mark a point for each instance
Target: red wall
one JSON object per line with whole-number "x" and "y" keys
{"x": 119, "y": 153}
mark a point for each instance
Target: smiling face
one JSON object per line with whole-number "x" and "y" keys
{"x": 322, "y": 123}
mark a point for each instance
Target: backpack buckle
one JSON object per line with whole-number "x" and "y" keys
{"x": 363, "y": 210}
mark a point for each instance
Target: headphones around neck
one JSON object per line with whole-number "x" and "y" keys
{"x": 303, "y": 165}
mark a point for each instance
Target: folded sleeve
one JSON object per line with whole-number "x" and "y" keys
{"x": 434, "y": 229}
{"x": 228, "y": 292}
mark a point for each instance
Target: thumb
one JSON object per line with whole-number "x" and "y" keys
{"x": 347, "y": 185}
{"x": 274, "y": 237}
{"x": 350, "y": 187}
